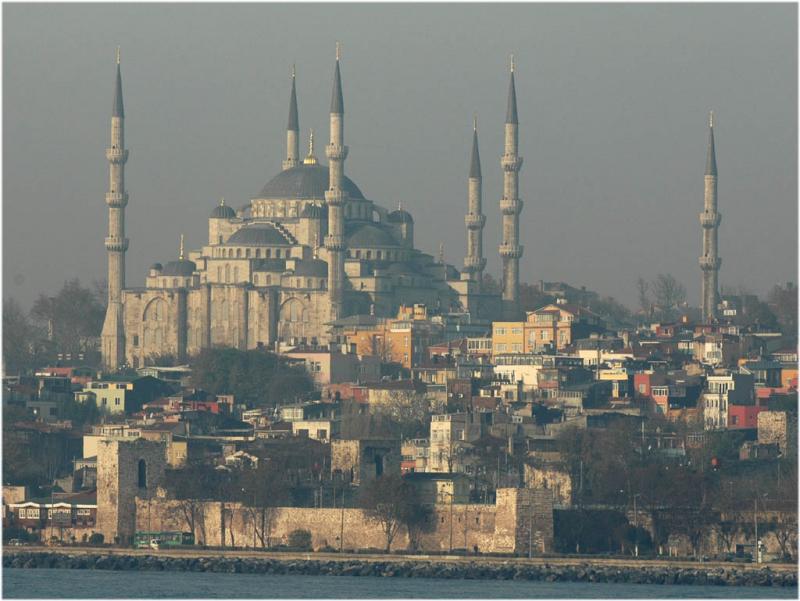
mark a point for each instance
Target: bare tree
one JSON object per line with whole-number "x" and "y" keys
{"x": 393, "y": 503}
{"x": 669, "y": 293}
{"x": 643, "y": 286}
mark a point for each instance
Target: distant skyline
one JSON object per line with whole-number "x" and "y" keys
{"x": 613, "y": 105}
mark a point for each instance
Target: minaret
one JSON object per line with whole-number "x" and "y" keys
{"x": 113, "y": 335}
{"x": 336, "y": 197}
{"x": 511, "y": 205}
{"x": 474, "y": 262}
{"x": 292, "y": 131}
{"x": 709, "y": 219}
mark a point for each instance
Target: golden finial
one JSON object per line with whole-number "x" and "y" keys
{"x": 293, "y": 71}
{"x": 117, "y": 54}
{"x": 512, "y": 62}
{"x": 475, "y": 122}
{"x": 180, "y": 256}
{"x": 222, "y": 201}
{"x": 399, "y": 205}
{"x": 338, "y": 51}
{"x": 711, "y": 119}
{"x": 310, "y": 159}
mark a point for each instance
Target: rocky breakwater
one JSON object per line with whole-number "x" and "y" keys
{"x": 402, "y": 568}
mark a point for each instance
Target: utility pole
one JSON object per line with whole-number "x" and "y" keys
{"x": 635, "y": 528}
{"x": 530, "y": 529}
{"x": 755, "y": 519}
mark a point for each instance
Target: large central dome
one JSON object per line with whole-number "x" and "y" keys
{"x": 304, "y": 182}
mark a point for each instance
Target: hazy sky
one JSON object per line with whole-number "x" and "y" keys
{"x": 613, "y": 104}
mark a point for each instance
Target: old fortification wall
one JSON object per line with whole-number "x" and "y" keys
{"x": 491, "y": 528}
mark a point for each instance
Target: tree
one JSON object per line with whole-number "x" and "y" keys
{"x": 409, "y": 412}
{"x": 393, "y": 502}
{"x": 783, "y": 302}
{"x": 261, "y": 377}
{"x": 21, "y": 339}
{"x": 262, "y": 490}
{"x": 612, "y": 310}
{"x": 73, "y": 317}
{"x": 669, "y": 294}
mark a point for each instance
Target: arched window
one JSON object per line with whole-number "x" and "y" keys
{"x": 269, "y": 280}
{"x": 238, "y": 253}
{"x": 379, "y": 255}
{"x": 258, "y": 253}
{"x": 220, "y": 240}
{"x": 236, "y": 274}
{"x": 369, "y": 254}
{"x": 219, "y": 273}
{"x": 247, "y": 253}
{"x": 174, "y": 282}
{"x": 227, "y": 273}
{"x": 309, "y": 283}
{"x": 267, "y": 253}
{"x": 255, "y": 279}
{"x": 142, "y": 474}
{"x": 358, "y": 254}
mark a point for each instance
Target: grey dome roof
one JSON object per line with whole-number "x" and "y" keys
{"x": 181, "y": 267}
{"x": 223, "y": 212}
{"x": 399, "y": 216}
{"x": 157, "y": 266}
{"x": 312, "y": 211}
{"x": 304, "y": 182}
{"x": 311, "y": 267}
{"x": 370, "y": 236}
{"x": 262, "y": 234}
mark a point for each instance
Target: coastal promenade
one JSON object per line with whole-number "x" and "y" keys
{"x": 542, "y": 569}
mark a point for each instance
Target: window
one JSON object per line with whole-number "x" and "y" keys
{"x": 135, "y": 340}
{"x": 142, "y": 480}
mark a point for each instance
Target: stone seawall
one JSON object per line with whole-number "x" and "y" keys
{"x": 403, "y": 567}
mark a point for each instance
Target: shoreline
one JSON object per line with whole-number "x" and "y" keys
{"x": 542, "y": 569}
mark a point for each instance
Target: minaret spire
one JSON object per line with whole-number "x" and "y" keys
{"x": 510, "y": 204}
{"x": 474, "y": 262}
{"x": 292, "y": 130}
{"x": 113, "y": 334}
{"x": 180, "y": 252}
{"x": 710, "y": 219}
{"x": 336, "y": 197}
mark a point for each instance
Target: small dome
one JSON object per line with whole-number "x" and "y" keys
{"x": 313, "y": 211}
{"x": 156, "y": 267}
{"x": 223, "y": 212}
{"x": 304, "y": 182}
{"x": 370, "y": 236}
{"x": 262, "y": 234}
{"x": 182, "y": 268}
{"x": 399, "y": 216}
{"x": 316, "y": 268}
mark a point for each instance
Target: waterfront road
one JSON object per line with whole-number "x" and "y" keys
{"x": 553, "y": 560}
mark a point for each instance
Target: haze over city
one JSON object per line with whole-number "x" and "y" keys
{"x": 613, "y": 109}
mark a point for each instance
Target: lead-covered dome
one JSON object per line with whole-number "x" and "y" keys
{"x": 182, "y": 268}
{"x": 399, "y": 216}
{"x": 304, "y": 182}
{"x": 370, "y": 236}
{"x": 223, "y": 212}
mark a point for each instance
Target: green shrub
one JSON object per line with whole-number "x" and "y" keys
{"x": 300, "y": 539}
{"x": 96, "y": 539}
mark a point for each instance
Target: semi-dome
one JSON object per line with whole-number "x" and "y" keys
{"x": 399, "y": 216}
{"x": 181, "y": 268}
{"x": 156, "y": 267}
{"x": 262, "y": 234}
{"x": 370, "y": 236}
{"x": 314, "y": 211}
{"x": 316, "y": 268}
{"x": 223, "y": 212}
{"x": 305, "y": 182}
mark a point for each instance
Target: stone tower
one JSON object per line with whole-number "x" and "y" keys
{"x": 474, "y": 262}
{"x": 336, "y": 197}
{"x": 709, "y": 219}
{"x": 113, "y": 335}
{"x": 126, "y": 469}
{"x": 511, "y": 205}
{"x": 292, "y": 131}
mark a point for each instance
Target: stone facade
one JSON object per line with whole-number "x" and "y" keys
{"x": 551, "y": 476}
{"x": 776, "y": 427}
{"x": 500, "y": 528}
{"x": 125, "y": 470}
{"x": 359, "y": 461}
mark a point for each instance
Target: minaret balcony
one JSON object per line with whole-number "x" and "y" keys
{"x": 289, "y": 163}
{"x": 334, "y": 243}
{"x": 335, "y": 152}
{"x": 475, "y": 221}
{"x": 511, "y": 162}
{"x": 116, "y": 155}
{"x": 116, "y": 244}
{"x": 710, "y": 263}
{"x": 510, "y": 206}
{"x": 117, "y": 200}
{"x": 710, "y": 220}
{"x": 335, "y": 198}
{"x": 473, "y": 264}
{"x": 509, "y": 251}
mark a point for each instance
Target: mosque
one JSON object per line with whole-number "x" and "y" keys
{"x": 308, "y": 250}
